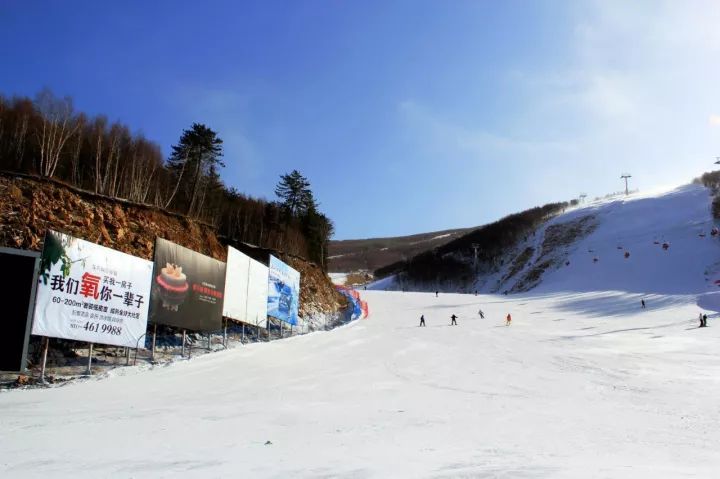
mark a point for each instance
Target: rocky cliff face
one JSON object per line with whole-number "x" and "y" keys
{"x": 29, "y": 206}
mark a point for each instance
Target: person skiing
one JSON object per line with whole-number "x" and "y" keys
{"x": 482, "y": 315}
{"x": 642, "y": 303}
{"x": 704, "y": 321}
{"x": 508, "y": 320}
{"x": 422, "y": 320}
{"x": 700, "y": 319}
{"x": 436, "y": 294}
{"x": 453, "y": 318}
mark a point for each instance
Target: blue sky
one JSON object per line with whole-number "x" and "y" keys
{"x": 406, "y": 116}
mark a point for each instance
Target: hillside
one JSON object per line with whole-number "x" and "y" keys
{"x": 584, "y": 249}
{"x": 370, "y": 254}
{"x": 29, "y": 206}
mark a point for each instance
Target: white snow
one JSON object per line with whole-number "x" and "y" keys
{"x": 580, "y": 385}
{"x": 583, "y": 384}
{"x": 338, "y": 278}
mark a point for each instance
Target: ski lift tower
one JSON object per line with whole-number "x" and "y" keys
{"x": 582, "y": 197}
{"x": 717, "y": 160}
{"x": 625, "y": 177}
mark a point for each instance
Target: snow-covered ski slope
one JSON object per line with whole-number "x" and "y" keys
{"x": 583, "y": 384}
{"x": 580, "y": 385}
{"x": 639, "y": 225}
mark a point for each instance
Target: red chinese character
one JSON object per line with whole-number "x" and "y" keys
{"x": 89, "y": 285}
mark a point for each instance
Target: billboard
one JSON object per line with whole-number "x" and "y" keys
{"x": 257, "y": 306}
{"x": 187, "y": 288}
{"x": 88, "y": 292}
{"x": 283, "y": 292}
{"x": 18, "y": 286}
{"x": 236, "y": 285}
{"x": 246, "y": 285}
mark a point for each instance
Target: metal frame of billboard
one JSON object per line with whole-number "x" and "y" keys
{"x": 31, "y": 302}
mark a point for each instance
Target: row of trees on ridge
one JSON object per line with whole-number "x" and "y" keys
{"x": 47, "y": 137}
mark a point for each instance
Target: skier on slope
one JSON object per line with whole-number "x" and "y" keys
{"x": 508, "y": 320}
{"x": 642, "y": 303}
{"x": 482, "y": 315}
{"x": 422, "y": 320}
{"x": 453, "y": 322}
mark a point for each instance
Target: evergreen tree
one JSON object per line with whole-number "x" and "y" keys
{"x": 294, "y": 191}
{"x": 194, "y": 162}
{"x": 318, "y": 230}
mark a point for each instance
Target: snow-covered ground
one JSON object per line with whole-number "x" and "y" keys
{"x": 580, "y": 385}
{"x": 583, "y": 384}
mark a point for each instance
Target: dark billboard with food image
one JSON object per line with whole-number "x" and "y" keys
{"x": 188, "y": 288}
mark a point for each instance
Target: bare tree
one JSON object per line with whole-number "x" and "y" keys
{"x": 57, "y": 125}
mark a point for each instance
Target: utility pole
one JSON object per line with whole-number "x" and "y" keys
{"x": 625, "y": 176}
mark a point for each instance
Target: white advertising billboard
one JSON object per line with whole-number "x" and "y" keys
{"x": 257, "y": 311}
{"x": 87, "y": 292}
{"x": 246, "y": 284}
{"x": 236, "y": 285}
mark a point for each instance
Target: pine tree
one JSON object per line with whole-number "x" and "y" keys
{"x": 294, "y": 191}
{"x": 194, "y": 162}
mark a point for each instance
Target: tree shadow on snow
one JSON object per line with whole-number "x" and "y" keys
{"x": 603, "y": 305}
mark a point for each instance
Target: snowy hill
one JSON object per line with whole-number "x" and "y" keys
{"x": 585, "y": 249}
{"x": 639, "y": 226}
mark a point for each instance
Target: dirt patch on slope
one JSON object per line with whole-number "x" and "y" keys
{"x": 555, "y": 249}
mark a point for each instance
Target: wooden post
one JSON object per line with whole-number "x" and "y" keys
{"x": 90, "y": 353}
{"x": 152, "y": 351}
{"x": 44, "y": 360}
{"x": 182, "y": 351}
{"x": 225, "y": 334}
{"x": 243, "y": 333}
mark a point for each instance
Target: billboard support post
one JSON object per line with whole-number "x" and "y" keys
{"x": 243, "y": 333}
{"x": 225, "y": 334}
{"x": 89, "y": 366}
{"x": 127, "y": 356}
{"x": 152, "y": 354}
{"x": 208, "y": 341}
{"x": 182, "y": 351}
{"x": 44, "y": 359}
{"x": 137, "y": 346}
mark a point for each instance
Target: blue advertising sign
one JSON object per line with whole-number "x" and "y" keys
{"x": 283, "y": 292}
